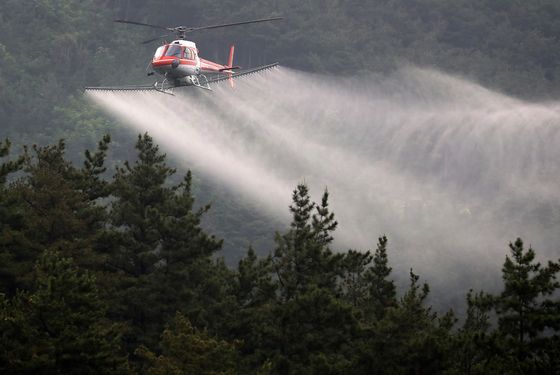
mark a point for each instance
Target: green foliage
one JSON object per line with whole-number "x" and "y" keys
{"x": 353, "y": 284}
{"x": 367, "y": 286}
{"x": 312, "y": 334}
{"x": 159, "y": 246}
{"x": 382, "y": 291}
{"x": 302, "y": 258}
{"x": 410, "y": 338}
{"x": 475, "y": 347}
{"x": 526, "y": 311}
{"x": 186, "y": 350}
{"x": 10, "y": 166}
{"x": 59, "y": 327}
{"x": 49, "y": 207}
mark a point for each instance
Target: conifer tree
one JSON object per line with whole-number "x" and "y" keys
{"x": 309, "y": 326}
{"x": 255, "y": 302}
{"x": 254, "y": 282}
{"x": 55, "y": 212}
{"x": 382, "y": 291}
{"x": 141, "y": 195}
{"x": 90, "y": 176}
{"x": 60, "y": 326}
{"x": 302, "y": 258}
{"x": 474, "y": 343}
{"x": 528, "y": 313}
{"x": 186, "y": 350}
{"x": 411, "y": 338}
{"x": 162, "y": 254}
{"x": 323, "y": 222}
{"x": 353, "y": 284}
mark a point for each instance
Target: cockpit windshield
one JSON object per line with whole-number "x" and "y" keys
{"x": 173, "y": 50}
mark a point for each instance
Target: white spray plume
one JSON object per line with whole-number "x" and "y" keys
{"x": 449, "y": 170}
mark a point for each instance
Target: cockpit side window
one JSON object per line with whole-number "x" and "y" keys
{"x": 159, "y": 52}
{"x": 173, "y": 50}
{"x": 188, "y": 54}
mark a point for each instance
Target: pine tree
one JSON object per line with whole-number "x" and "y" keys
{"x": 308, "y": 328}
{"x": 411, "y": 338}
{"x": 186, "y": 350}
{"x": 323, "y": 222}
{"x": 353, "y": 284}
{"x": 53, "y": 211}
{"x": 59, "y": 327}
{"x": 255, "y": 303}
{"x": 160, "y": 247}
{"x": 90, "y": 176}
{"x": 302, "y": 258}
{"x": 254, "y": 282}
{"x": 311, "y": 334}
{"x": 474, "y": 343}
{"x": 528, "y": 315}
{"x": 382, "y": 291}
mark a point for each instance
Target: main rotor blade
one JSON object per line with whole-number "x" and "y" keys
{"x": 191, "y": 29}
{"x": 143, "y": 24}
{"x": 154, "y": 39}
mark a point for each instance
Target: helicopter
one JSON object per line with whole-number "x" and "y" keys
{"x": 179, "y": 63}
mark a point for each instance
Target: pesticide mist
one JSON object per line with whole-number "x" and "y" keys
{"x": 448, "y": 170}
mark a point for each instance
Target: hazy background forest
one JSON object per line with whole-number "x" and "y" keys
{"x": 399, "y": 62}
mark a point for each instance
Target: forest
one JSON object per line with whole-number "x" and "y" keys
{"x": 117, "y": 276}
{"x": 107, "y": 265}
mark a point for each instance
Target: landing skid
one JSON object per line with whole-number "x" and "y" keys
{"x": 164, "y": 87}
{"x": 197, "y": 81}
{"x": 202, "y": 84}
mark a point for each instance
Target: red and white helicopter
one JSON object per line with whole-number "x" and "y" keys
{"x": 180, "y": 65}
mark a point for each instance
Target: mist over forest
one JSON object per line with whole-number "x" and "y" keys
{"x": 384, "y": 202}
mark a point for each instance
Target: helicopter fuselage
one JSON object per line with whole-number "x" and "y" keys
{"x": 181, "y": 65}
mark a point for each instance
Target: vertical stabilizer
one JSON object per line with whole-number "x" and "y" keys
{"x": 230, "y": 64}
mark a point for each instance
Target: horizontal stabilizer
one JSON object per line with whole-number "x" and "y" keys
{"x": 232, "y": 68}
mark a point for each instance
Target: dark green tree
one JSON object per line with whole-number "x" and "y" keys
{"x": 51, "y": 209}
{"x": 382, "y": 292}
{"x": 252, "y": 321}
{"x": 60, "y": 327}
{"x": 186, "y": 350}
{"x": 162, "y": 256}
{"x": 308, "y": 328}
{"x": 353, "y": 284}
{"x": 91, "y": 180}
{"x": 302, "y": 257}
{"x": 475, "y": 345}
{"x": 411, "y": 338}
{"x": 528, "y": 313}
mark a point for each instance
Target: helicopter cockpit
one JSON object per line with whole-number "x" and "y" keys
{"x": 174, "y": 50}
